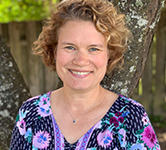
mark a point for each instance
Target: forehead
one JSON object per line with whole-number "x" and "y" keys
{"x": 80, "y": 30}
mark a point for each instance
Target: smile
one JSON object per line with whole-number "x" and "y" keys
{"x": 80, "y": 73}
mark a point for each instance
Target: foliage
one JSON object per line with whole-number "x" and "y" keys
{"x": 24, "y": 10}
{"x": 159, "y": 121}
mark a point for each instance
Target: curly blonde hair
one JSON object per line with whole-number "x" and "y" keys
{"x": 105, "y": 18}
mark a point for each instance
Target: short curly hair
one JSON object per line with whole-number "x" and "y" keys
{"x": 105, "y": 18}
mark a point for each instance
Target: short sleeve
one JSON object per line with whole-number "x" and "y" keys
{"x": 21, "y": 137}
{"x": 141, "y": 134}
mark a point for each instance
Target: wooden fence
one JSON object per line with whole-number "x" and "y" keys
{"x": 20, "y": 36}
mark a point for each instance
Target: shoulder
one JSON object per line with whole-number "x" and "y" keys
{"x": 129, "y": 104}
{"x": 36, "y": 107}
{"x": 136, "y": 115}
{"x": 133, "y": 112}
{"x": 34, "y": 121}
{"x": 135, "y": 109}
{"x": 138, "y": 126}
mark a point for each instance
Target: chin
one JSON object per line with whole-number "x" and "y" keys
{"x": 80, "y": 87}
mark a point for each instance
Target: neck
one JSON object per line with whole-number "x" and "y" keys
{"x": 80, "y": 101}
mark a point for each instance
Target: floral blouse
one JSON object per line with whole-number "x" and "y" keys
{"x": 125, "y": 126}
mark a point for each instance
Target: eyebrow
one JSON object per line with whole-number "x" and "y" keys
{"x": 66, "y": 43}
{"x": 92, "y": 45}
{"x": 96, "y": 45}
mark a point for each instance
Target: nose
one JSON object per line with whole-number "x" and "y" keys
{"x": 81, "y": 58}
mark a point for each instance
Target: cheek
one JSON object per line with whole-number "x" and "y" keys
{"x": 101, "y": 61}
{"x": 61, "y": 58}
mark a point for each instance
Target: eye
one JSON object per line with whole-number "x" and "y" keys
{"x": 70, "y": 47}
{"x": 94, "y": 49}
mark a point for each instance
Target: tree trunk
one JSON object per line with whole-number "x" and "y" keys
{"x": 13, "y": 92}
{"x": 142, "y": 19}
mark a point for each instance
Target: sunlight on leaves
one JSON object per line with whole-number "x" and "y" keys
{"x": 24, "y": 10}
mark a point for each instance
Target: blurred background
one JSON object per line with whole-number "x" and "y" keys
{"x": 21, "y": 23}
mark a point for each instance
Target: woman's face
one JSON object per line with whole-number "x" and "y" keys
{"x": 81, "y": 57}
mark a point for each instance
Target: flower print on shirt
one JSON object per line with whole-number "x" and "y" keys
{"x": 121, "y": 119}
{"x": 118, "y": 114}
{"x": 28, "y": 135}
{"x": 149, "y": 137}
{"x": 105, "y": 138}
{"x": 122, "y": 137}
{"x": 20, "y": 123}
{"x": 118, "y": 119}
{"x": 41, "y": 140}
{"x": 104, "y": 135}
{"x": 127, "y": 100}
{"x": 145, "y": 119}
{"x": 21, "y": 126}
{"x": 138, "y": 147}
{"x": 44, "y": 108}
{"x": 135, "y": 102}
{"x": 114, "y": 121}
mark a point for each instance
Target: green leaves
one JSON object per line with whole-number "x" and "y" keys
{"x": 24, "y": 10}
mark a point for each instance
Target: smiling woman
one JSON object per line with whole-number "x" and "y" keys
{"x": 77, "y": 64}
{"x": 87, "y": 38}
{"x": 106, "y": 21}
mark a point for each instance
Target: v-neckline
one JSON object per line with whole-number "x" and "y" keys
{"x": 91, "y": 129}
{"x": 88, "y": 132}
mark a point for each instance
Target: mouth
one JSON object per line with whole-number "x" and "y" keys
{"x": 81, "y": 73}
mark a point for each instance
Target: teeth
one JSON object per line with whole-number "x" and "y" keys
{"x": 80, "y": 73}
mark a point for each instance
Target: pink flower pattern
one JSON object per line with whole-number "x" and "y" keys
{"x": 21, "y": 123}
{"x": 110, "y": 129}
{"x": 122, "y": 137}
{"x": 44, "y": 108}
{"x": 41, "y": 139}
{"x": 21, "y": 126}
{"x": 145, "y": 120}
{"x": 105, "y": 139}
{"x": 149, "y": 137}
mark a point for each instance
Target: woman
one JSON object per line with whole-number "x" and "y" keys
{"x": 82, "y": 41}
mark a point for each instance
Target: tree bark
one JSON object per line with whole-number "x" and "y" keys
{"x": 13, "y": 92}
{"x": 142, "y": 19}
